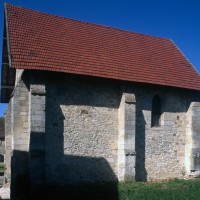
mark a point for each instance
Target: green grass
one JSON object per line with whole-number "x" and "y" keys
{"x": 171, "y": 190}
{"x": 1, "y": 167}
{"x": 168, "y": 190}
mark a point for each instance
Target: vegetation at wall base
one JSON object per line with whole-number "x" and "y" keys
{"x": 1, "y": 167}
{"x": 167, "y": 190}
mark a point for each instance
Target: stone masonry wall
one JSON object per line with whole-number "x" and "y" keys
{"x": 84, "y": 119}
{"x": 192, "y": 147}
{"x": 20, "y": 139}
{"x": 126, "y": 137}
{"x": 160, "y": 150}
{"x": 37, "y": 137}
{"x": 81, "y": 131}
{"x": 8, "y": 145}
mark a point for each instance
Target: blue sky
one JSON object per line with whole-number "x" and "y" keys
{"x": 178, "y": 20}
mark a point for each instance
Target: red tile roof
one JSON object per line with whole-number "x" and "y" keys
{"x": 45, "y": 42}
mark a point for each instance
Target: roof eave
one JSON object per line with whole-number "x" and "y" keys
{"x": 7, "y": 73}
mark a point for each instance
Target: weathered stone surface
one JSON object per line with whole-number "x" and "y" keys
{"x": 126, "y": 139}
{"x": 161, "y": 149}
{"x": 8, "y": 145}
{"x": 20, "y": 137}
{"x": 192, "y": 147}
{"x": 75, "y": 130}
{"x": 37, "y": 136}
{"x": 38, "y": 90}
{"x": 130, "y": 98}
{"x": 81, "y": 127}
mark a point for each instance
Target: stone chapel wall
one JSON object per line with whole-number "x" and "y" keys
{"x": 87, "y": 112}
{"x": 91, "y": 128}
{"x": 81, "y": 131}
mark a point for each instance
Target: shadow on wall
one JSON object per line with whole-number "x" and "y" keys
{"x": 83, "y": 179}
{"x": 68, "y": 175}
{"x": 20, "y": 181}
{"x": 140, "y": 170}
{"x": 83, "y": 176}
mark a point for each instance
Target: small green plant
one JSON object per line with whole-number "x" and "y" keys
{"x": 1, "y": 167}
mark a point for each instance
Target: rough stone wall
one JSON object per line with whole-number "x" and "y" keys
{"x": 37, "y": 136}
{"x": 81, "y": 131}
{"x": 192, "y": 147}
{"x": 20, "y": 121}
{"x": 76, "y": 132}
{"x": 17, "y": 135}
{"x": 83, "y": 125}
{"x": 20, "y": 137}
{"x": 8, "y": 145}
{"x": 160, "y": 150}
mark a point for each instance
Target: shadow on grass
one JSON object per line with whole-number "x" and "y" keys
{"x": 104, "y": 191}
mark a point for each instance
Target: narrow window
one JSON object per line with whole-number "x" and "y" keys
{"x": 156, "y": 111}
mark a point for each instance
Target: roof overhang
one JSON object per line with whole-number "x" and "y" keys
{"x": 75, "y": 47}
{"x": 7, "y": 72}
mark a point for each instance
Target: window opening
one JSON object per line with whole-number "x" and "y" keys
{"x": 156, "y": 111}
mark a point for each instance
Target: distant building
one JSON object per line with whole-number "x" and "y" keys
{"x": 89, "y": 103}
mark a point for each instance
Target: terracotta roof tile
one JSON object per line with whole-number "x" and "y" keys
{"x": 45, "y": 42}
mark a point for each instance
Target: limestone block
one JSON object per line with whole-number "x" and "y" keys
{"x": 130, "y": 98}
{"x": 38, "y": 89}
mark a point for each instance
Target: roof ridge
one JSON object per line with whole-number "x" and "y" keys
{"x": 86, "y": 22}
